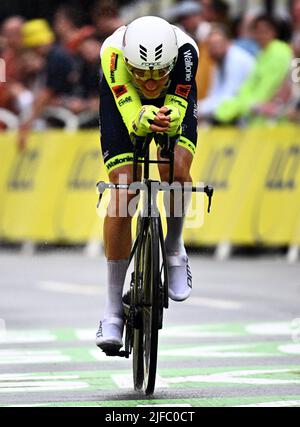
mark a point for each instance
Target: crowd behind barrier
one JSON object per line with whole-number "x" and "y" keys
{"x": 249, "y": 67}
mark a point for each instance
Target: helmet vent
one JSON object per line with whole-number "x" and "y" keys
{"x": 143, "y": 53}
{"x": 158, "y": 52}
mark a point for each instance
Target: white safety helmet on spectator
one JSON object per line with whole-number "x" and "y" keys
{"x": 150, "y": 43}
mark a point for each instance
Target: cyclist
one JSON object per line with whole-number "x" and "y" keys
{"x": 148, "y": 86}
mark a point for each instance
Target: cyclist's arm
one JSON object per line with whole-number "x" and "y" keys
{"x": 119, "y": 80}
{"x": 183, "y": 80}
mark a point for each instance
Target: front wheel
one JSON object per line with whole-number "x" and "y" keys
{"x": 152, "y": 305}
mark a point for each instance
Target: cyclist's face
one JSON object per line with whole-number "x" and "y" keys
{"x": 152, "y": 88}
{"x": 151, "y": 83}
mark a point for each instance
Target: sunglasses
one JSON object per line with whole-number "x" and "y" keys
{"x": 145, "y": 75}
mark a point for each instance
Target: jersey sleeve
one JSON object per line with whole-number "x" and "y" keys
{"x": 119, "y": 81}
{"x": 183, "y": 80}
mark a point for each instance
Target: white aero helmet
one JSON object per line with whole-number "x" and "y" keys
{"x": 150, "y": 43}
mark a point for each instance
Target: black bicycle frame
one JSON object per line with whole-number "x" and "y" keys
{"x": 151, "y": 188}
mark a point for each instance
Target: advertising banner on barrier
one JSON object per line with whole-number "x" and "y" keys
{"x": 223, "y": 159}
{"x": 256, "y": 175}
{"x": 272, "y": 206}
{"x": 48, "y": 192}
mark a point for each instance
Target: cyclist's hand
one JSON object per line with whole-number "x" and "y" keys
{"x": 174, "y": 115}
{"x": 142, "y": 123}
{"x": 161, "y": 121}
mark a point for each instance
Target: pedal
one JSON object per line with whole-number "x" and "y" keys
{"x": 116, "y": 353}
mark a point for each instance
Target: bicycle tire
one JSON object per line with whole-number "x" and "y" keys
{"x": 152, "y": 305}
{"x": 138, "y": 347}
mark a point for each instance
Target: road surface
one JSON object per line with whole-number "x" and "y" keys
{"x": 235, "y": 342}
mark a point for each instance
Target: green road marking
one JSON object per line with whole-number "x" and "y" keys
{"x": 225, "y": 330}
{"x": 194, "y": 402}
{"x": 171, "y": 378}
{"x": 166, "y": 352}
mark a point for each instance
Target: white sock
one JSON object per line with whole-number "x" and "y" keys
{"x": 174, "y": 239}
{"x": 115, "y": 284}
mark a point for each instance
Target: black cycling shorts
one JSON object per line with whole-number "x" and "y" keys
{"x": 117, "y": 148}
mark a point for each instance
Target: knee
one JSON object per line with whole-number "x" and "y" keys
{"x": 182, "y": 178}
{"x": 123, "y": 204}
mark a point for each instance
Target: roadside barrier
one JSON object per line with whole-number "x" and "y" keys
{"x": 48, "y": 193}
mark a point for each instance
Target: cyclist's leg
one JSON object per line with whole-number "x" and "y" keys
{"x": 177, "y": 205}
{"x": 179, "y": 270}
{"x": 117, "y": 224}
{"x": 118, "y": 157}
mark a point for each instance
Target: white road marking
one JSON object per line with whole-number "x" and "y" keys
{"x": 276, "y": 404}
{"x": 270, "y": 328}
{"x": 86, "y": 334}
{"x": 190, "y": 332}
{"x": 10, "y": 357}
{"x": 126, "y": 381}
{"x": 236, "y": 377}
{"x": 70, "y": 288}
{"x": 167, "y": 405}
{"x": 214, "y": 303}
{"x": 216, "y": 351}
{"x": 99, "y": 355}
{"x": 290, "y": 348}
{"x": 17, "y": 383}
{"x": 31, "y": 377}
{"x": 29, "y": 405}
{"x": 27, "y": 336}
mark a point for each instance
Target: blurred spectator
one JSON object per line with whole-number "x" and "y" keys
{"x": 233, "y": 66}
{"x": 85, "y": 94}
{"x": 106, "y": 18}
{"x": 188, "y": 15}
{"x": 286, "y": 102}
{"x": 243, "y": 34}
{"x": 216, "y": 11}
{"x": 59, "y": 71}
{"x": 11, "y": 44}
{"x": 273, "y": 63}
{"x": 295, "y": 12}
{"x": 68, "y": 25}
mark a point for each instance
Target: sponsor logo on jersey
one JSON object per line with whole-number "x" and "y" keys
{"x": 118, "y": 161}
{"x": 195, "y": 111}
{"x": 125, "y": 101}
{"x": 188, "y": 60}
{"x": 113, "y": 66}
{"x": 177, "y": 101}
{"x": 141, "y": 114}
{"x": 183, "y": 90}
{"x": 119, "y": 90}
